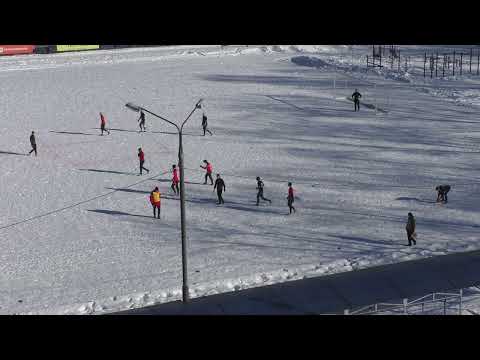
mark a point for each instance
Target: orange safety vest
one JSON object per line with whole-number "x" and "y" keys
{"x": 155, "y": 197}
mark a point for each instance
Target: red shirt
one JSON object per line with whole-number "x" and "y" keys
{"x": 175, "y": 176}
{"x": 141, "y": 156}
{"x": 290, "y": 192}
{"x": 209, "y": 168}
{"x": 102, "y": 119}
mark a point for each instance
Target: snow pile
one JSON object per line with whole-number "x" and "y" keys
{"x": 142, "y": 299}
{"x": 309, "y": 61}
{"x": 311, "y": 49}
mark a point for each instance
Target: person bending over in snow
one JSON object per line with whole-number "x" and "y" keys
{"x": 141, "y": 120}
{"x": 410, "y": 227}
{"x": 290, "y": 198}
{"x": 175, "y": 180}
{"x": 205, "y": 125}
{"x": 33, "y": 143}
{"x": 141, "y": 157}
{"x": 442, "y": 192}
{"x": 103, "y": 122}
{"x": 155, "y": 201}
{"x": 356, "y": 100}
{"x": 208, "y": 174}
{"x": 260, "y": 191}
{"x": 220, "y": 186}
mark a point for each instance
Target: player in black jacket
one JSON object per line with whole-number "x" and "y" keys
{"x": 220, "y": 186}
{"x": 205, "y": 125}
{"x": 260, "y": 191}
{"x": 141, "y": 121}
{"x": 33, "y": 143}
{"x": 442, "y": 192}
{"x": 356, "y": 99}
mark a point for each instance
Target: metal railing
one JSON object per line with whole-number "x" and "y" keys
{"x": 431, "y": 303}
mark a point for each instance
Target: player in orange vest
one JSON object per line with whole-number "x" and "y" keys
{"x": 155, "y": 201}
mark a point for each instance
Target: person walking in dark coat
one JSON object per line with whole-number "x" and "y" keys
{"x": 442, "y": 192}
{"x": 141, "y": 120}
{"x": 208, "y": 167}
{"x": 33, "y": 142}
{"x": 410, "y": 227}
{"x": 103, "y": 123}
{"x": 220, "y": 186}
{"x": 290, "y": 198}
{"x": 356, "y": 100}
{"x": 205, "y": 125}
{"x": 141, "y": 157}
{"x": 260, "y": 191}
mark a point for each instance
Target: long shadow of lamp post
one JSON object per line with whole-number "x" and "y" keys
{"x": 137, "y": 108}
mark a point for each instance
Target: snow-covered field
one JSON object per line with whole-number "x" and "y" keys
{"x": 76, "y": 228}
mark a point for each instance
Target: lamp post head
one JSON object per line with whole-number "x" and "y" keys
{"x": 133, "y": 107}
{"x": 199, "y": 104}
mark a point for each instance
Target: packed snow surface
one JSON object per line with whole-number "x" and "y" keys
{"x": 76, "y": 227}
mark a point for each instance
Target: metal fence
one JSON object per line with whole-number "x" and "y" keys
{"x": 446, "y": 303}
{"x": 429, "y": 64}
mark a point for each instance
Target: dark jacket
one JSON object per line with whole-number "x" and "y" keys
{"x": 204, "y": 120}
{"x": 443, "y": 189}
{"x": 356, "y": 95}
{"x": 410, "y": 227}
{"x": 260, "y": 185}
{"x": 219, "y": 185}
{"x": 32, "y": 139}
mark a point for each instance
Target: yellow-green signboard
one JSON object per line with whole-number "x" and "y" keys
{"x": 76, "y": 47}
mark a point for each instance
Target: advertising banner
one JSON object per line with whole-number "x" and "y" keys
{"x": 16, "y": 49}
{"x": 61, "y": 48}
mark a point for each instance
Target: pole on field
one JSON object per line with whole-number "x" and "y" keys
{"x": 425, "y": 65}
{"x": 443, "y": 66}
{"x": 453, "y": 64}
{"x": 432, "y": 60}
{"x": 461, "y": 63}
{"x": 334, "y": 82}
{"x": 136, "y": 108}
{"x": 399, "y": 59}
{"x": 471, "y": 53}
{"x": 478, "y": 61}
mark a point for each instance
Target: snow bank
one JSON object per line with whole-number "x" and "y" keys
{"x": 142, "y": 299}
{"x": 309, "y": 61}
{"x": 311, "y": 49}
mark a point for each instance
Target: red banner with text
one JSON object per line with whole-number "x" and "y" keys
{"x": 16, "y": 49}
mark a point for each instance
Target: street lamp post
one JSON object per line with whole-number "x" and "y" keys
{"x": 136, "y": 108}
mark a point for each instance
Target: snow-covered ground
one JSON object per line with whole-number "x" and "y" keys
{"x": 76, "y": 228}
